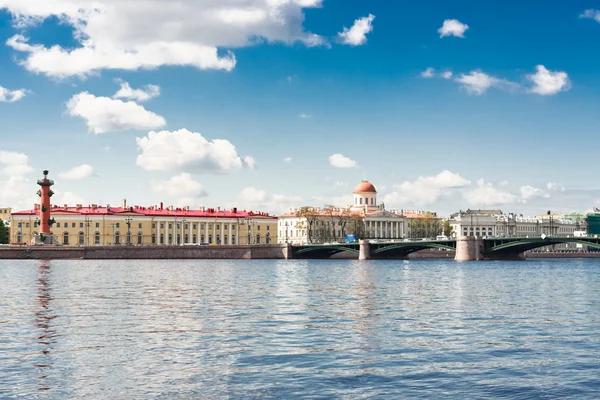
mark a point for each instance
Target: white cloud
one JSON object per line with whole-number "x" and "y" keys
{"x": 182, "y": 187}
{"x": 14, "y": 164}
{"x": 77, "y": 173}
{"x": 592, "y": 14}
{"x": 69, "y": 198}
{"x": 127, "y": 35}
{"x": 141, "y": 95}
{"x": 287, "y": 159}
{"x": 103, "y": 114}
{"x": 453, "y": 27}
{"x": 530, "y": 192}
{"x": 304, "y": 116}
{"x": 10, "y": 96}
{"x": 185, "y": 150}
{"x": 425, "y": 190}
{"x": 478, "y": 82}
{"x": 255, "y": 199}
{"x": 357, "y": 35}
{"x": 250, "y": 162}
{"x": 17, "y": 191}
{"x": 485, "y": 194}
{"x": 553, "y": 187}
{"x": 548, "y": 82}
{"x": 340, "y": 161}
{"x": 428, "y": 73}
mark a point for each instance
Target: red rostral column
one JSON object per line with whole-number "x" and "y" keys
{"x": 45, "y": 193}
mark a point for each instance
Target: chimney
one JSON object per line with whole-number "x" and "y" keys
{"x": 234, "y": 210}
{"x": 78, "y": 206}
{"x": 218, "y": 209}
{"x": 161, "y": 205}
{"x": 124, "y": 203}
{"x": 94, "y": 206}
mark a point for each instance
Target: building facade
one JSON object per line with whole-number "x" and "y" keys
{"x": 155, "y": 225}
{"x": 493, "y": 223}
{"x": 303, "y": 226}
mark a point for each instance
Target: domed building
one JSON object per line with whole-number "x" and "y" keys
{"x": 332, "y": 224}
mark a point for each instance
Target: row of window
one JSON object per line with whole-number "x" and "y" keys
{"x": 118, "y": 225}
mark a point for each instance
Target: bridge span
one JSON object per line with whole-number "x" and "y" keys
{"x": 466, "y": 248}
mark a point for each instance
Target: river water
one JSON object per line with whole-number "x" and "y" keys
{"x": 300, "y": 329}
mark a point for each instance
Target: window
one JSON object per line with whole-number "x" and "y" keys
{"x": 81, "y": 224}
{"x": 202, "y": 239}
{"x": 258, "y": 239}
{"x": 117, "y": 238}
{"x": 170, "y": 238}
{"x": 19, "y": 237}
{"x": 153, "y": 238}
{"x": 361, "y": 200}
{"x": 27, "y": 225}
{"x": 97, "y": 238}
{"x": 81, "y": 238}
{"x": 268, "y": 227}
{"x": 162, "y": 239}
{"x": 140, "y": 225}
{"x": 194, "y": 237}
{"x": 258, "y": 228}
{"x": 153, "y": 225}
{"x": 58, "y": 224}
{"x": 210, "y": 239}
{"x": 117, "y": 225}
{"x": 233, "y": 239}
{"x": 162, "y": 226}
{"x": 65, "y": 238}
{"x": 20, "y": 225}
{"x": 194, "y": 226}
{"x": 73, "y": 225}
{"x": 185, "y": 238}
{"x": 140, "y": 238}
{"x": 178, "y": 238}
{"x": 97, "y": 224}
{"x": 201, "y": 226}
{"x": 269, "y": 237}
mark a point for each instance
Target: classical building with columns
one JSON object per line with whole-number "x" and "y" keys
{"x": 154, "y": 225}
{"x": 378, "y": 223}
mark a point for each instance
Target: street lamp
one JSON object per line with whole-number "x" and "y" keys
{"x": 182, "y": 231}
{"x": 128, "y": 222}
{"x": 87, "y": 229}
{"x": 286, "y": 232}
{"x": 112, "y": 225}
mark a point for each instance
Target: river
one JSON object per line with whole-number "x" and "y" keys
{"x": 322, "y": 329}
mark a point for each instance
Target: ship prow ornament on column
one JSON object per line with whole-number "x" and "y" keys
{"x": 46, "y": 221}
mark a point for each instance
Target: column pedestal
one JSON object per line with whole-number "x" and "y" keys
{"x": 365, "y": 250}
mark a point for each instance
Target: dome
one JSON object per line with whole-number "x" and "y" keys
{"x": 364, "y": 187}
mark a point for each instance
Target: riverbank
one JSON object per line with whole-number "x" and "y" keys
{"x": 240, "y": 252}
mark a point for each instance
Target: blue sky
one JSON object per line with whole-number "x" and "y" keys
{"x": 514, "y": 126}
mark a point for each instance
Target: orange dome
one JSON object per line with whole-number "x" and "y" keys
{"x": 364, "y": 187}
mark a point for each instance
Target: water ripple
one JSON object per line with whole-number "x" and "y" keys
{"x": 300, "y": 329}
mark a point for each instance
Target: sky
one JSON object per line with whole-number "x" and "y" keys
{"x": 272, "y": 104}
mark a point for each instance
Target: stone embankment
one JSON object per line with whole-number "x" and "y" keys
{"x": 262, "y": 252}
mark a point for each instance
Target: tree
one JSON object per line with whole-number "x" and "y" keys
{"x": 447, "y": 229}
{"x": 356, "y": 225}
{"x": 3, "y": 233}
{"x": 311, "y": 216}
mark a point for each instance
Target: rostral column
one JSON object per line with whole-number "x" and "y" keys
{"x": 45, "y": 219}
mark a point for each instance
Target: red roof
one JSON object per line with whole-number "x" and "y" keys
{"x": 152, "y": 212}
{"x": 364, "y": 187}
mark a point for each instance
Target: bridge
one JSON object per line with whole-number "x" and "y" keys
{"x": 466, "y": 248}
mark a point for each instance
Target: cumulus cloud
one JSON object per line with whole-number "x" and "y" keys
{"x": 478, "y": 82}
{"x": 69, "y": 198}
{"x": 553, "y": 187}
{"x": 428, "y": 73}
{"x": 425, "y": 190}
{"x": 78, "y": 173}
{"x": 186, "y": 150}
{"x": 181, "y": 187}
{"x": 592, "y": 14}
{"x": 255, "y": 199}
{"x": 357, "y": 35}
{"x": 10, "y": 96}
{"x": 103, "y": 114}
{"x": 141, "y": 95}
{"x": 17, "y": 191}
{"x": 127, "y": 35}
{"x": 485, "y": 194}
{"x": 548, "y": 82}
{"x": 250, "y": 162}
{"x": 287, "y": 159}
{"x": 530, "y": 192}
{"x": 340, "y": 161}
{"x": 453, "y": 27}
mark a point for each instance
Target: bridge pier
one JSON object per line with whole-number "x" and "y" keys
{"x": 365, "y": 250}
{"x": 469, "y": 248}
{"x": 288, "y": 252}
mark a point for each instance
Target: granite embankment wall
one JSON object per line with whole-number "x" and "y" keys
{"x": 264, "y": 252}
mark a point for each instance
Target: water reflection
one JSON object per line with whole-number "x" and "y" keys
{"x": 43, "y": 322}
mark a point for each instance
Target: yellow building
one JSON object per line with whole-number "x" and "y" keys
{"x": 106, "y": 225}
{"x": 5, "y": 214}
